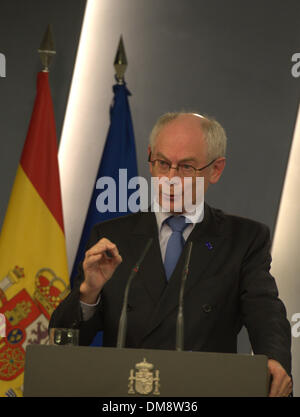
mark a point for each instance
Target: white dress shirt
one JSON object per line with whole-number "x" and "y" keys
{"x": 165, "y": 231}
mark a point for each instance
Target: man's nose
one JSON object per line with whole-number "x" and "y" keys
{"x": 173, "y": 172}
{"x": 174, "y": 178}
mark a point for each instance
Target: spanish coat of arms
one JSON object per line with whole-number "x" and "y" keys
{"x": 143, "y": 380}
{"x": 26, "y": 317}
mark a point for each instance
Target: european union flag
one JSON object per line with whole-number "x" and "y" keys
{"x": 119, "y": 153}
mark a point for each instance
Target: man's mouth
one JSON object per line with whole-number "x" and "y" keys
{"x": 171, "y": 197}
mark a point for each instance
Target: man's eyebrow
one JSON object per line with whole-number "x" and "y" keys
{"x": 191, "y": 159}
{"x": 187, "y": 160}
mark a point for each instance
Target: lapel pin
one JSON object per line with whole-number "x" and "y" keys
{"x": 209, "y": 245}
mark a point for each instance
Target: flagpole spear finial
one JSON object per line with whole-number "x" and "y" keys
{"x": 47, "y": 50}
{"x": 120, "y": 63}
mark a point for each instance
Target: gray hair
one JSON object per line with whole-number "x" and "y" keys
{"x": 214, "y": 133}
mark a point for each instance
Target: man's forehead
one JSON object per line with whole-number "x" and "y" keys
{"x": 180, "y": 151}
{"x": 186, "y": 158}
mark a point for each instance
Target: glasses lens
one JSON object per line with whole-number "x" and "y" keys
{"x": 162, "y": 166}
{"x": 186, "y": 170}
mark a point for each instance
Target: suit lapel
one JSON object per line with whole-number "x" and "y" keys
{"x": 151, "y": 272}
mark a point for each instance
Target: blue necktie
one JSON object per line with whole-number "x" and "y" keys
{"x": 175, "y": 243}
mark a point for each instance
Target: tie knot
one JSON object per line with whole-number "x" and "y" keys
{"x": 177, "y": 223}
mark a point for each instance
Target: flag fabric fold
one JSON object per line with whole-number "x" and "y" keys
{"x": 33, "y": 262}
{"x": 119, "y": 153}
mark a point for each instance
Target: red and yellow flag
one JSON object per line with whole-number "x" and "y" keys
{"x": 33, "y": 262}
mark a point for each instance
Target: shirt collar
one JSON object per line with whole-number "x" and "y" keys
{"x": 195, "y": 217}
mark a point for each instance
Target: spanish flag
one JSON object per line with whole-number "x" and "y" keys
{"x": 33, "y": 262}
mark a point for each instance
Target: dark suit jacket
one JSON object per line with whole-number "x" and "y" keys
{"x": 228, "y": 285}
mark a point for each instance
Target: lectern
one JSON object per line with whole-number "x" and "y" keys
{"x": 77, "y": 371}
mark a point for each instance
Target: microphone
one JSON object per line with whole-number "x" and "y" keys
{"x": 180, "y": 320}
{"x": 123, "y": 319}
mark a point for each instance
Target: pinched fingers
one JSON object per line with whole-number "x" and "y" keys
{"x": 98, "y": 267}
{"x": 103, "y": 250}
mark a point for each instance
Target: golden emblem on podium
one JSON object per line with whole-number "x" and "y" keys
{"x": 142, "y": 380}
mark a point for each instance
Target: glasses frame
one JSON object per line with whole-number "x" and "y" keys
{"x": 178, "y": 166}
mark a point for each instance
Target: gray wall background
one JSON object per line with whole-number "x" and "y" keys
{"x": 22, "y": 27}
{"x": 230, "y": 59}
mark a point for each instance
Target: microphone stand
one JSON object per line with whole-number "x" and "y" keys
{"x": 123, "y": 319}
{"x": 180, "y": 320}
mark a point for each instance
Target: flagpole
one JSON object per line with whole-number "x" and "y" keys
{"x": 120, "y": 62}
{"x": 47, "y": 49}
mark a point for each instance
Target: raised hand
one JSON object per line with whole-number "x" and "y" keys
{"x": 99, "y": 264}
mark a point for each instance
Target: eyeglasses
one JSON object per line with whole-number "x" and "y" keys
{"x": 184, "y": 170}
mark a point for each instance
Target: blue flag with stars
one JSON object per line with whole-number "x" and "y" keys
{"x": 119, "y": 153}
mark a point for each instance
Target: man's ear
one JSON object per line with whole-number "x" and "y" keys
{"x": 217, "y": 170}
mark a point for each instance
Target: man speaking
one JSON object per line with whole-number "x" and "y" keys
{"x": 228, "y": 285}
